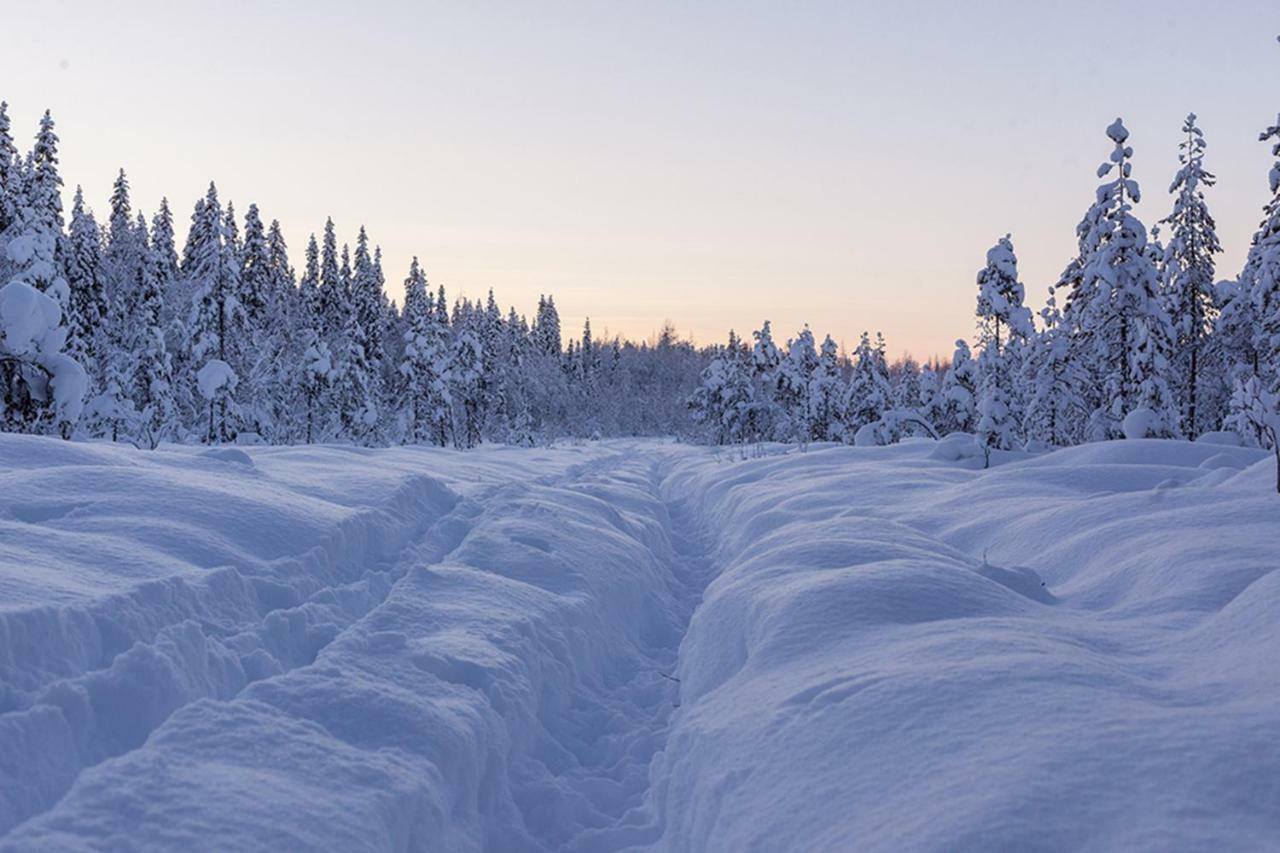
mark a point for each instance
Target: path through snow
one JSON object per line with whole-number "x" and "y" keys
{"x": 636, "y": 645}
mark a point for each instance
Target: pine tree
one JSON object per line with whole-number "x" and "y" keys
{"x": 959, "y": 392}
{"x": 1001, "y": 314}
{"x": 87, "y": 308}
{"x": 997, "y": 428}
{"x": 1261, "y": 275}
{"x": 826, "y": 398}
{"x": 1128, "y": 333}
{"x": 9, "y": 184}
{"x": 465, "y": 372}
{"x": 546, "y": 327}
{"x": 795, "y": 371}
{"x": 869, "y": 395}
{"x": 152, "y": 369}
{"x": 216, "y": 313}
{"x": 1005, "y": 327}
{"x": 1187, "y": 274}
{"x": 41, "y": 387}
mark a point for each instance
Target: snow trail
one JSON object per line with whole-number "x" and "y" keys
{"x": 412, "y": 650}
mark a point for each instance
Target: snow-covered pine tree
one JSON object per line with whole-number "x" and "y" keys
{"x": 546, "y": 326}
{"x": 465, "y": 374}
{"x": 766, "y": 412}
{"x": 9, "y": 184}
{"x": 87, "y": 308}
{"x": 216, "y": 315}
{"x": 331, "y": 294}
{"x": 826, "y": 397}
{"x": 1255, "y": 415}
{"x": 869, "y": 395}
{"x": 1004, "y": 327}
{"x": 997, "y": 428}
{"x": 1001, "y": 314}
{"x": 795, "y": 371}
{"x": 41, "y": 387}
{"x": 366, "y": 297}
{"x": 1129, "y": 332}
{"x": 1187, "y": 277}
{"x": 111, "y": 411}
{"x": 151, "y": 385}
{"x": 1261, "y": 274}
{"x": 722, "y": 400}
{"x": 959, "y": 392}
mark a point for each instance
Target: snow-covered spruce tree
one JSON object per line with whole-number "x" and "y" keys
{"x": 959, "y": 392}
{"x": 9, "y": 184}
{"x": 288, "y": 323}
{"x": 795, "y": 370}
{"x": 417, "y": 366}
{"x": 41, "y": 387}
{"x": 766, "y": 412}
{"x": 546, "y": 327}
{"x": 1001, "y": 314}
{"x": 216, "y": 315}
{"x": 332, "y": 305}
{"x": 930, "y": 408}
{"x": 176, "y": 312}
{"x": 1129, "y": 333}
{"x": 1004, "y": 327}
{"x": 367, "y": 305}
{"x": 997, "y": 428}
{"x": 151, "y": 380}
{"x": 255, "y": 284}
{"x": 826, "y": 398}
{"x": 1255, "y": 415}
{"x": 869, "y": 396}
{"x": 1187, "y": 278}
{"x": 87, "y": 308}
{"x": 110, "y": 411}
{"x": 722, "y": 400}
{"x": 357, "y": 391}
{"x": 317, "y": 375}
{"x": 1050, "y": 380}
{"x": 465, "y": 372}
{"x": 1261, "y": 274}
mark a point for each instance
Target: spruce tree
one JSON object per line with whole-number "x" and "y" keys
{"x": 87, "y": 308}
{"x": 1187, "y": 275}
{"x": 41, "y": 387}
{"x": 9, "y": 184}
{"x": 869, "y": 395}
{"x": 1260, "y": 278}
{"x": 1128, "y": 332}
{"x": 216, "y": 314}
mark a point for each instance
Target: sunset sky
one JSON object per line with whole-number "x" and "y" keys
{"x": 715, "y": 164}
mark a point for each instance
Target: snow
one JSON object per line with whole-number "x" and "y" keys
{"x": 638, "y": 645}
{"x": 1140, "y": 423}
{"x": 27, "y": 317}
{"x": 215, "y": 376}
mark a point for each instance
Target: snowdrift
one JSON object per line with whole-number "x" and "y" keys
{"x": 637, "y": 645}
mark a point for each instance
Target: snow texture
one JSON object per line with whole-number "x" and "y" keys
{"x": 638, "y": 645}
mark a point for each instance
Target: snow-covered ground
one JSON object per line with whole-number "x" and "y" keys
{"x": 638, "y": 645}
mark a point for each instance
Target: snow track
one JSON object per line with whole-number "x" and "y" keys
{"x": 635, "y": 645}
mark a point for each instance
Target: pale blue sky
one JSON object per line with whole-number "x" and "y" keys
{"x": 844, "y": 164}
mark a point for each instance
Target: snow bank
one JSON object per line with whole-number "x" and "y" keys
{"x": 637, "y": 645}
{"x": 859, "y": 676}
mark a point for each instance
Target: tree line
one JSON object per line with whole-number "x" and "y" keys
{"x": 106, "y": 330}
{"x": 1137, "y": 338}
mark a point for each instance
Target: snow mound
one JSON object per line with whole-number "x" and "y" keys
{"x": 638, "y": 645}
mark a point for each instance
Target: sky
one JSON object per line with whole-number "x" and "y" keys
{"x": 841, "y": 164}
